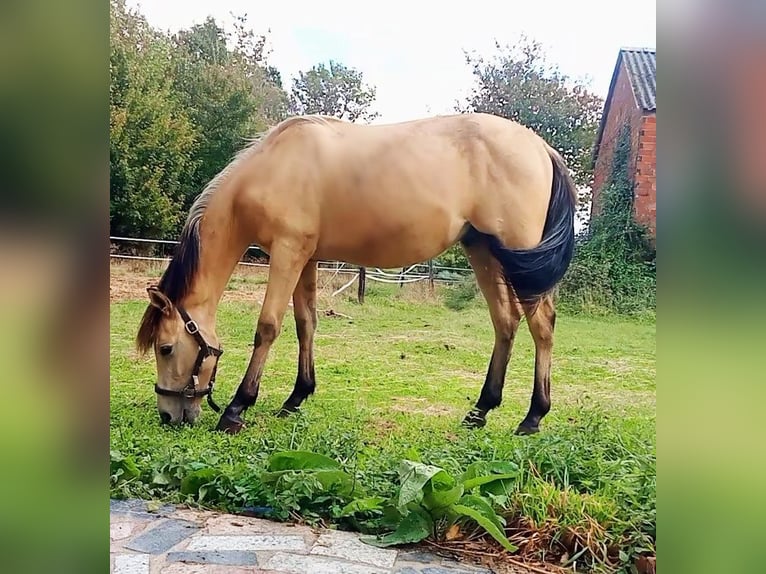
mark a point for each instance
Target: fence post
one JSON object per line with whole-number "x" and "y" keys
{"x": 431, "y": 274}
{"x": 362, "y": 284}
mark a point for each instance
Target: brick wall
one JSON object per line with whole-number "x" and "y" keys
{"x": 623, "y": 109}
{"x": 646, "y": 173}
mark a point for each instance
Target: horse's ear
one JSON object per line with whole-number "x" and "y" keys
{"x": 158, "y": 299}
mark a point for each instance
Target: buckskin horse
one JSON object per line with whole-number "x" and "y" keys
{"x": 318, "y": 188}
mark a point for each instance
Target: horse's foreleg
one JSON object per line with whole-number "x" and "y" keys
{"x": 285, "y": 265}
{"x": 505, "y": 315}
{"x": 541, "y": 319}
{"x": 305, "y": 311}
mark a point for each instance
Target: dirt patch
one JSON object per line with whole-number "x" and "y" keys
{"x": 418, "y": 405}
{"x": 383, "y": 427}
{"x": 129, "y": 288}
{"x": 619, "y": 366}
{"x": 129, "y": 280}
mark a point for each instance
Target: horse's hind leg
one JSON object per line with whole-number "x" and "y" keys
{"x": 305, "y": 311}
{"x": 285, "y": 265}
{"x": 505, "y": 314}
{"x": 542, "y": 320}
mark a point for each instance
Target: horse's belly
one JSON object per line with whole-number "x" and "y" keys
{"x": 388, "y": 242}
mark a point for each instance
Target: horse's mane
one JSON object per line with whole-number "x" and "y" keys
{"x": 177, "y": 279}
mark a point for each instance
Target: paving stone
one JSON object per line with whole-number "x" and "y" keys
{"x": 247, "y": 543}
{"x": 233, "y": 557}
{"x": 131, "y": 564}
{"x": 191, "y": 515}
{"x": 455, "y": 567}
{"x": 205, "y": 542}
{"x": 139, "y": 508}
{"x": 125, "y": 529}
{"x": 347, "y": 545}
{"x": 181, "y": 568}
{"x": 449, "y": 570}
{"x": 312, "y": 564}
{"x": 162, "y": 537}
{"x": 126, "y": 505}
{"x": 239, "y": 525}
{"x": 416, "y": 556}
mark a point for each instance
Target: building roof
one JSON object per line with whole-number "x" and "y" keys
{"x": 641, "y": 65}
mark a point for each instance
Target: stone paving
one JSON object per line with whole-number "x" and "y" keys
{"x": 178, "y": 540}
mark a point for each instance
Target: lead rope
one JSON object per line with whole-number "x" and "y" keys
{"x": 210, "y": 400}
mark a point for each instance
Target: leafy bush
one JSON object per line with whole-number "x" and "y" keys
{"x": 430, "y": 501}
{"x": 614, "y": 268}
{"x": 460, "y": 295}
{"x": 453, "y": 257}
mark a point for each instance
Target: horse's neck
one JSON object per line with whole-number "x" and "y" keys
{"x": 219, "y": 255}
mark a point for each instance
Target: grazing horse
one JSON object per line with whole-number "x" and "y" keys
{"x": 317, "y": 188}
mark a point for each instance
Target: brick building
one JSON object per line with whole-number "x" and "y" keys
{"x": 632, "y": 99}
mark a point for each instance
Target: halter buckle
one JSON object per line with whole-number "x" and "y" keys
{"x": 190, "y": 391}
{"x": 191, "y": 327}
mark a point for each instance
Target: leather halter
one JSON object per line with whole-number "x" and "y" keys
{"x": 190, "y": 391}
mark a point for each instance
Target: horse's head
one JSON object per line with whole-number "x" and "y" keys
{"x": 186, "y": 354}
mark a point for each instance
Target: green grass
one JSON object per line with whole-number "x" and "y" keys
{"x": 394, "y": 383}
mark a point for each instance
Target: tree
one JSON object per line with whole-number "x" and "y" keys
{"x": 181, "y": 106}
{"x": 151, "y": 139}
{"x": 336, "y": 91}
{"x": 229, "y": 94}
{"x": 520, "y": 84}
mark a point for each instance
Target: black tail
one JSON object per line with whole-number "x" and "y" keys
{"x": 536, "y": 271}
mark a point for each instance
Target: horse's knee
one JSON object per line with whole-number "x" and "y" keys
{"x": 265, "y": 333}
{"x": 506, "y": 332}
{"x": 304, "y": 327}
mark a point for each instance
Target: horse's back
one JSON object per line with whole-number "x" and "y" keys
{"x": 477, "y": 168}
{"x": 368, "y": 191}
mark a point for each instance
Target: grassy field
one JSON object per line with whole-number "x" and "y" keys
{"x": 394, "y": 383}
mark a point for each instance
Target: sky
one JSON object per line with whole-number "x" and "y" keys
{"x": 413, "y": 51}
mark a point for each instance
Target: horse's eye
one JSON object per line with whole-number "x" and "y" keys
{"x": 166, "y": 349}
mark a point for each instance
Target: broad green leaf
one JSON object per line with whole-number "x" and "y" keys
{"x": 271, "y": 478}
{"x": 335, "y": 481}
{"x": 416, "y": 526}
{"x": 486, "y": 524}
{"x": 392, "y": 516}
{"x": 441, "y": 491}
{"x": 192, "y": 482}
{"x": 486, "y": 479}
{"x": 331, "y": 480}
{"x": 502, "y": 487}
{"x": 126, "y": 464}
{"x": 497, "y": 499}
{"x": 300, "y": 460}
{"x": 161, "y": 478}
{"x": 484, "y": 467}
{"x": 413, "y": 477}
{"x": 481, "y": 505}
{"x": 412, "y": 454}
{"x": 362, "y": 505}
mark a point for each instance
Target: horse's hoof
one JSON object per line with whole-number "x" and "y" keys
{"x": 524, "y": 430}
{"x": 475, "y": 420}
{"x": 230, "y": 425}
{"x": 285, "y": 412}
